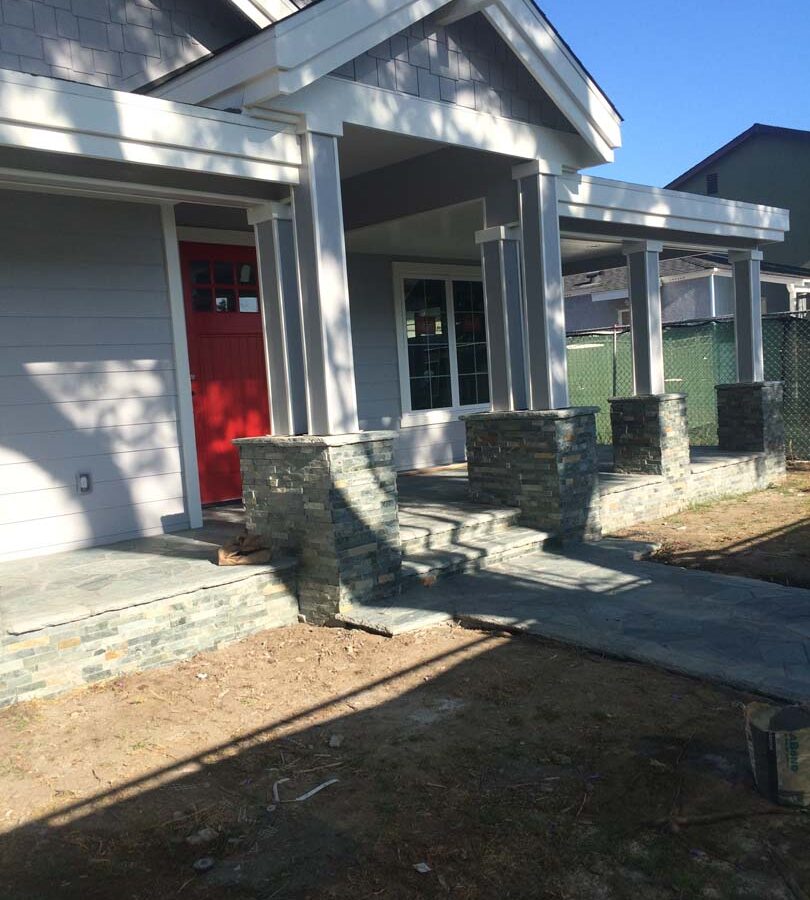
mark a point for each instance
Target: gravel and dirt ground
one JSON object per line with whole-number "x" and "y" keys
{"x": 763, "y": 535}
{"x": 467, "y": 765}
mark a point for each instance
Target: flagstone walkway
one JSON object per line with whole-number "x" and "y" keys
{"x": 746, "y": 633}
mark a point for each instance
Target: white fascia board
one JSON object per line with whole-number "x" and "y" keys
{"x": 599, "y": 296}
{"x": 265, "y": 12}
{"x": 104, "y": 188}
{"x": 330, "y": 102}
{"x": 39, "y": 113}
{"x": 252, "y": 11}
{"x": 539, "y": 48}
{"x": 603, "y": 200}
{"x": 690, "y": 276}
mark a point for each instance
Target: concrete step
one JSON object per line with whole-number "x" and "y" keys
{"x": 469, "y": 552}
{"x": 433, "y": 527}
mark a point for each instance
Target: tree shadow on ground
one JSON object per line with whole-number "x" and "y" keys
{"x": 511, "y": 767}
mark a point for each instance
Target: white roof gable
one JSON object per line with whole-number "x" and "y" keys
{"x": 304, "y": 47}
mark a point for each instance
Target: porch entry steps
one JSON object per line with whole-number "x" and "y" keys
{"x": 440, "y": 540}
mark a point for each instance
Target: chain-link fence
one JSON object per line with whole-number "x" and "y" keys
{"x": 697, "y": 356}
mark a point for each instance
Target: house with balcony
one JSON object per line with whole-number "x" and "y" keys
{"x": 282, "y": 253}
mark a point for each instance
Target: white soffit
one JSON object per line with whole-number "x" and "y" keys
{"x": 303, "y": 48}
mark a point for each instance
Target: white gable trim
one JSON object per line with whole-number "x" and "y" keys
{"x": 539, "y": 48}
{"x": 309, "y": 45}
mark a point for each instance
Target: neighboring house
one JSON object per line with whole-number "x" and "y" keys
{"x": 224, "y": 217}
{"x": 768, "y": 165}
{"x": 692, "y": 287}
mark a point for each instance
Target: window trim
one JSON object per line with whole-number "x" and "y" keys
{"x": 437, "y": 272}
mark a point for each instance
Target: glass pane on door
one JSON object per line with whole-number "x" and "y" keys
{"x": 428, "y": 343}
{"x": 471, "y": 342}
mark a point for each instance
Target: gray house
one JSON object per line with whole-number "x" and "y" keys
{"x": 692, "y": 287}
{"x": 764, "y": 164}
{"x": 282, "y": 252}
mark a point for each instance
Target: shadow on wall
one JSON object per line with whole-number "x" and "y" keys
{"x": 87, "y": 377}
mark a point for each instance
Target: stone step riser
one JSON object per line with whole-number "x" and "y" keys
{"x": 447, "y": 539}
{"x": 410, "y": 578}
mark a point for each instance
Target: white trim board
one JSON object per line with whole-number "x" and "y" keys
{"x": 38, "y": 113}
{"x": 330, "y": 102}
{"x": 620, "y": 203}
{"x": 182, "y": 369}
{"x": 196, "y": 235}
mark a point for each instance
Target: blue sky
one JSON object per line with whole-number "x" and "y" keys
{"x": 688, "y": 76}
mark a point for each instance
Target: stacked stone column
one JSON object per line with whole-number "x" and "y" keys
{"x": 750, "y": 419}
{"x": 650, "y": 435}
{"x": 332, "y": 502}
{"x": 541, "y": 461}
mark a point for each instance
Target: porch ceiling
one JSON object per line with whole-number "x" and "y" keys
{"x": 449, "y": 234}
{"x": 364, "y": 149}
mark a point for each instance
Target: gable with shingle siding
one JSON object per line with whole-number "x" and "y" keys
{"x": 113, "y": 43}
{"x": 465, "y": 64}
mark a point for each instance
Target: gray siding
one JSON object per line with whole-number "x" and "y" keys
{"x": 684, "y": 300}
{"x": 772, "y": 170}
{"x": 87, "y": 378}
{"x": 374, "y": 341}
{"x": 465, "y": 64}
{"x": 583, "y": 312}
{"x": 113, "y": 43}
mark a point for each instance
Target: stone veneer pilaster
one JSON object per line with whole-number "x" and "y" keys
{"x": 749, "y": 417}
{"x": 331, "y": 501}
{"x": 541, "y": 461}
{"x": 650, "y": 435}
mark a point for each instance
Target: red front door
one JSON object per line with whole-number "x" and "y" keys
{"x": 226, "y": 352}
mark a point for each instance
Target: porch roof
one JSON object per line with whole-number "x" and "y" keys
{"x": 62, "y": 134}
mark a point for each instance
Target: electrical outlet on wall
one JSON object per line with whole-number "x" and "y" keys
{"x": 84, "y": 483}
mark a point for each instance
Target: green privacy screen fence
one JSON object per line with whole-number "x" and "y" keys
{"x": 697, "y": 356}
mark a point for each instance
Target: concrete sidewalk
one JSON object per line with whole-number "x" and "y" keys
{"x": 746, "y": 633}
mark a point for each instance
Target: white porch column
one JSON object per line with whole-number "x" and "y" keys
{"x": 644, "y": 282}
{"x": 328, "y": 356}
{"x": 281, "y": 317}
{"x": 745, "y": 266}
{"x": 503, "y": 298}
{"x": 543, "y": 288}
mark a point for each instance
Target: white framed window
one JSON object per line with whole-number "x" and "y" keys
{"x": 442, "y": 342}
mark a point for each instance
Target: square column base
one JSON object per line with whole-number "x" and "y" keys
{"x": 650, "y": 435}
{"x": 332, "y": 502}
{"x": 541, "y": 461}
{"x": 749, "y": 418}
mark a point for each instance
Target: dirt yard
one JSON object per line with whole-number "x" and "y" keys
{"x": 467, "y": 765}
{"x": 764, "y": 535}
